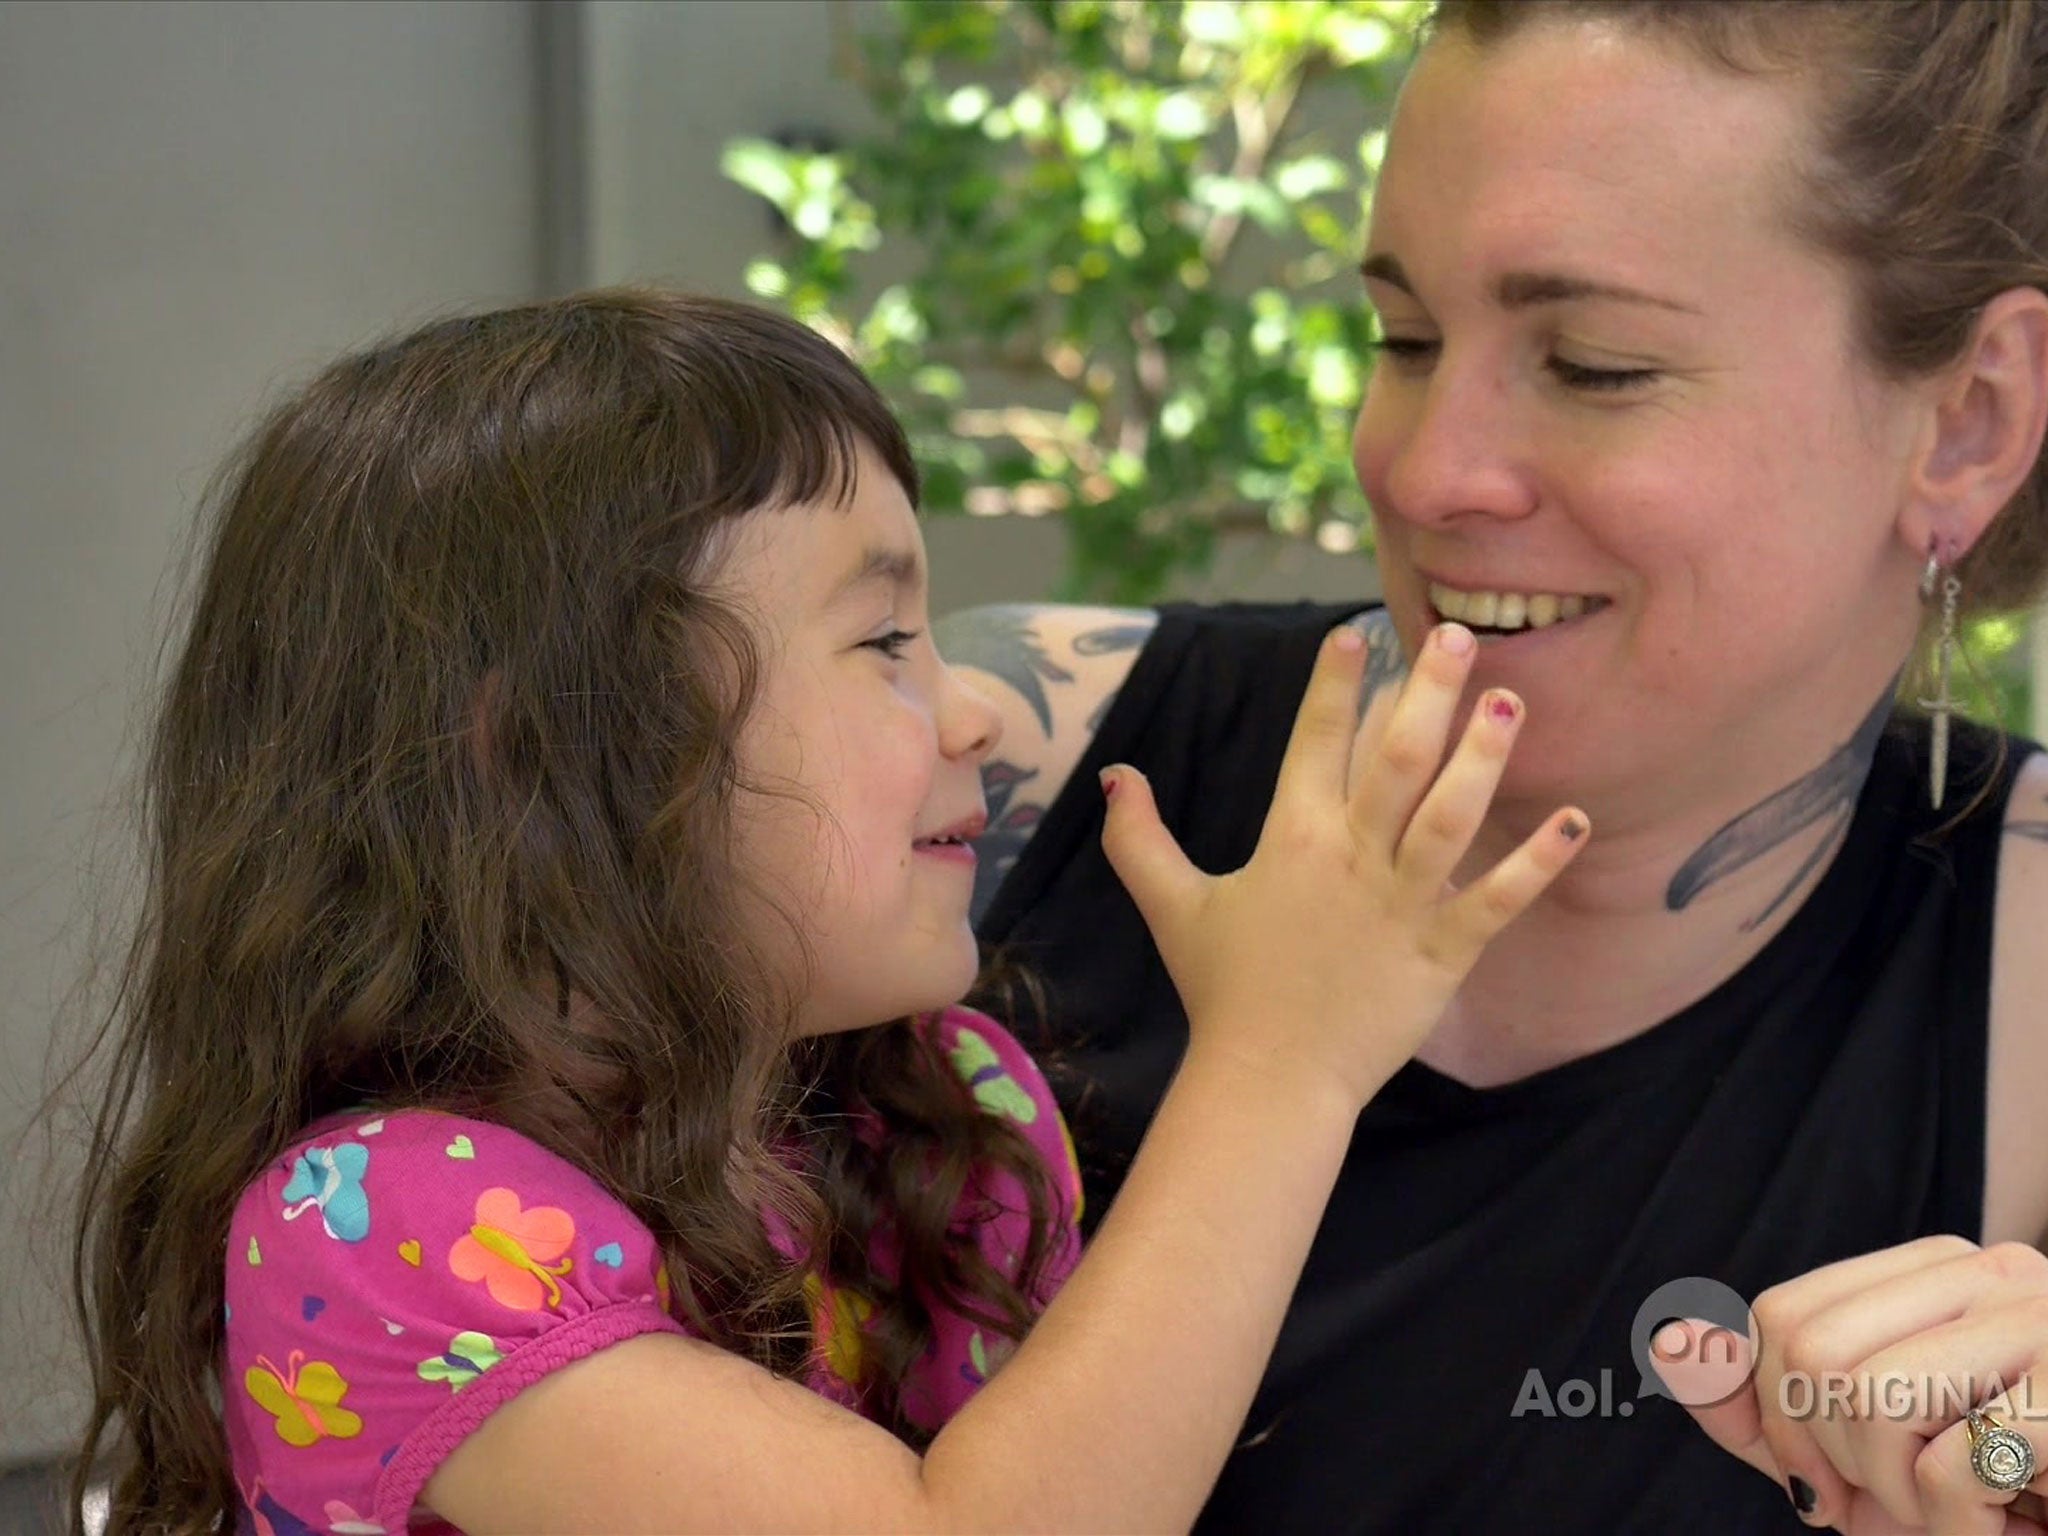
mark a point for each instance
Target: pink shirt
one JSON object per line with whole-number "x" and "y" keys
{"x": 392, "y": 1279}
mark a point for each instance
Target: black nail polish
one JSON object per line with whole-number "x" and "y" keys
{"x": 1803, "y": 1496}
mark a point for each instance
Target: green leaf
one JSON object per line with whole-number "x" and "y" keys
{"x": 1085, "y": 294}
{"x": 1182, "y": 115}
{"x": 1219, "y": 22}
{"x": 1087, "y": 130}
{"x": 760, "y": 167}
{"x": 1310, "y": 176}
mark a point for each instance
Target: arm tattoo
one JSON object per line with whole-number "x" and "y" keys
{"x": 1106, "y": 641}
{"x": 1004, "y": 641}
{"x": 1828, "y": 794}
{"x": 1001, "y": 642}
{"x": 1011, "y": 821}
{"x": 1111, "y": 638}
{"x": 1383, "y": 660}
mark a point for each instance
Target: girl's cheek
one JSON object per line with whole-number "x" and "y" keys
{"x": 915, "y": 726}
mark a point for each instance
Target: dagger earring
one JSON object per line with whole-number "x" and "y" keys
{"x": 1941, "y": 706}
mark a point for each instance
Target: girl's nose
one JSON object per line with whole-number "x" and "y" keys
{"x": 969, "y": 725}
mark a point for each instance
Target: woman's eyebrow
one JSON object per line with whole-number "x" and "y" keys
{"x": 1523, "y": 290}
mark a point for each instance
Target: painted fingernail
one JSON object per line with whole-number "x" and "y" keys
{"x": 1572, "y": 829}
{"x": 1803, "y": 1497}
{"x": 1502, "y": 707}
{"x": 1108, "y": 777}
{"x": 1456, "y": 639}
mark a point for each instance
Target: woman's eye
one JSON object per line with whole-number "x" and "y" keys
{"x": 1577, "y": 376}
{"x": 893, "y": 644}
{"x": 1420, "y": 351}
{"x": 1406, "y": 349}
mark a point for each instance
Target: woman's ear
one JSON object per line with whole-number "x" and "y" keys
{"x": 1989, "y": 413}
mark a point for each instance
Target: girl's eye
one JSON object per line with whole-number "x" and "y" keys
{"x": 1576, "y": 376}
{"x": 893, "y": 644}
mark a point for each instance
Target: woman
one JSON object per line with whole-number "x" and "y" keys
{"x": 1714, "y": 335}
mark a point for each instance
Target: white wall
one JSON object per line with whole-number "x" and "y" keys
{"x": 198, "y": 203}
{"x": 665, "y": 87}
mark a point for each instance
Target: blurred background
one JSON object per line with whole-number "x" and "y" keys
{"x": 1101, "y": 254}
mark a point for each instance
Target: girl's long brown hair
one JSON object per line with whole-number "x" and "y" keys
{"x": 448, "y": 742}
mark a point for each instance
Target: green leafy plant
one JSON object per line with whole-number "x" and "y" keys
{"x": 1130, "y": 234}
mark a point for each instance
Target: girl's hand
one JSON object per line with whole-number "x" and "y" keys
{"x": 1333, "y": 953}
{"x": 1865, "y": 1371}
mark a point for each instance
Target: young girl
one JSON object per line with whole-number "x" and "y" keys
{"x": 540, "y": 1101}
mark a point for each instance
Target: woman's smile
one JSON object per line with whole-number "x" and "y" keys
{"x": 1498, "y": 614}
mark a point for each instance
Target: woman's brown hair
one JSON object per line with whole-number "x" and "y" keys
{"x": 1928, "y": 180}
{"x": 449, "y": 742}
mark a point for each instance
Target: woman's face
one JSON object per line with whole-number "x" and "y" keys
{"x": 1621, "y": 400}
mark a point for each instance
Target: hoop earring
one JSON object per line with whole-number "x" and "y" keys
{"x": 1942, "y": 705}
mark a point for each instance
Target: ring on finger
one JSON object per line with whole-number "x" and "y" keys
{"x": 2002, "y": 1458}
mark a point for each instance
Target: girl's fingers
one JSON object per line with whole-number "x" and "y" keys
{"x": 1506, "y": 891}
{"x": 1163, "y": 885}
{"x": 1318, "y": 758}
{"x": 1372, "y": 730}
{"x": 1444, "y": 824}
{"x": 1412, "y": 748}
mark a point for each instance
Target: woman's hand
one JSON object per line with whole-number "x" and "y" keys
{"x": 1333, "y": 953}
{"x": 1866, "y": 1371}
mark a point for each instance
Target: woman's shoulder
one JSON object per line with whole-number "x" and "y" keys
{"x": 2016, "y": 1134}
{"x": 2023, "y": 868}
{"x": 2026, "y": 809}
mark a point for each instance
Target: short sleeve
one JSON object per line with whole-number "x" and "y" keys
{"x": 392, "y": 1280}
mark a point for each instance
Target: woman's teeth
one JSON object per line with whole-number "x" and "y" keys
{"x": 1507, "y": 610}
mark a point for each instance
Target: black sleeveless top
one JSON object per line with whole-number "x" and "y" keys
{"x": 1825, "y": 1101}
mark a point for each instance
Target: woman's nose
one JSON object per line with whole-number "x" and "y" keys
{"x": 1446, "y": 448}
{"x": 969, "y": 725}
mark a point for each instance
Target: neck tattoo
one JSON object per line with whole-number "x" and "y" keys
{"x": 1826, "y": 795}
